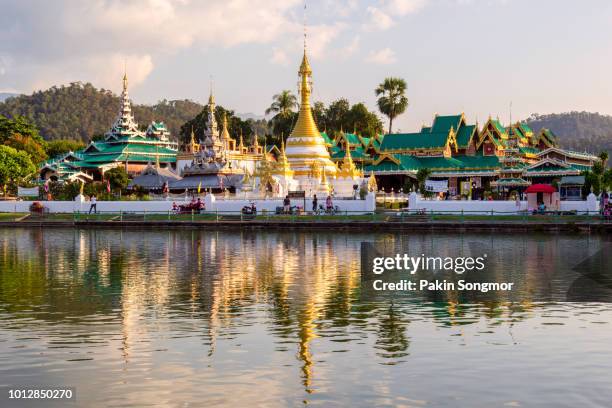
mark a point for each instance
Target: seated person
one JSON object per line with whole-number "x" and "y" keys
{"x": 541, "y": 208}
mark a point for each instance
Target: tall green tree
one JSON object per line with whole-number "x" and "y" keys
{"x": 336, "y": 115}
{"x": 603, "y": 156}
{"x": 318, "y": 112}
{"x": 283, "y": 105}
{"x": 392, "y": 100}
{"x": 117, "y": 178}
{"x": 18, "y": 125}
{"x": 364, "y": 122}
{"x": 15, "y": 165}
{"x": 29, "y": 145}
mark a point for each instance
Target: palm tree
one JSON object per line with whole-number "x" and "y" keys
{"x": 392, "y": 100}
{"x": 283, "y": 104}
{"x": 603, "y": 156}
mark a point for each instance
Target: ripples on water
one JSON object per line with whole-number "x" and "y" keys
{"x": 192, "y": 318}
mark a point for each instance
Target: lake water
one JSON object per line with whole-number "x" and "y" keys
{"x": 202, "y": 318}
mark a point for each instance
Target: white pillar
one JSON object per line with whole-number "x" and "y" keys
{"x": 413, "y": 201}
{"x": 370, "y": 201}
{"x": 78, "y": 203}
{"x": 209, "y": 202}
{"x": 592, "y": 204}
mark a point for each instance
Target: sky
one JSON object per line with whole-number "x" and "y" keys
{"x": 474, "y": 56}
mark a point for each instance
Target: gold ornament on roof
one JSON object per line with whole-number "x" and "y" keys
{"x": 372, "y": 185}
{"x": 348, "y": 169}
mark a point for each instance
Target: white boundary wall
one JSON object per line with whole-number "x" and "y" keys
{"x": 485, "y": 207}
{"x": 211, "y": 203}
{"x": 234, "y": 205}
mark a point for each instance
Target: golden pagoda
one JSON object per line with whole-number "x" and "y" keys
{"x": 305, "y": 145}
{"x": 348, "y": 169}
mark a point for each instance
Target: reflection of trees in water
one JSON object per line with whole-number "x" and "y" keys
{"x": 212, "y": 283}
{"x": 392, "y": 341}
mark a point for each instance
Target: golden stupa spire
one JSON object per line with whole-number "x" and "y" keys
{"x": 225, "y": 134}
{"x": 241, "y": 145}
{"x": 348, "y": 165}
{"x": 211, "y": 97}
{"x": 305, "y": 125}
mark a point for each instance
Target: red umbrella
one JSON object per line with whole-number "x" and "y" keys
{"x": 541, "y": 188}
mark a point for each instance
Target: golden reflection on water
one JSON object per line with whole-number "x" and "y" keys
{"x": 302, "y": 289}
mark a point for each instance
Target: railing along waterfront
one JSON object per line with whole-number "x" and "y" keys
{"x": 344, "y": 216}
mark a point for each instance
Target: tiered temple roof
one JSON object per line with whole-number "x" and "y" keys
{"x": 123, "y": 145}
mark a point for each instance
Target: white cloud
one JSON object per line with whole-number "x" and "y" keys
{"x": 380, "y": 16}
{"x": 350, "y": 49}
{"x": 383, "y": 57}
{"x": 378, "y": 20}
{"x": 64, "y": 41}
{"x": 404, "y": 7}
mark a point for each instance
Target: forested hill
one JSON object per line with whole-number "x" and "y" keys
{"x": 79, "y": 111}
{"x": 577, "y": 130}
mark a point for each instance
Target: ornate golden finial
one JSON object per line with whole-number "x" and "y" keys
{"x": 255, "y": 137}
{"x": 372, "y": 185}
{"x": 241, "y": 145}
{"x": 225, "y": 134}
{"x": 125, "y": 82}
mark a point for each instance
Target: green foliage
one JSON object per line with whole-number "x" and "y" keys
{"x": 29, "y": 145}
{"x": 139, "y": 191}
{"x": 392, "y": 100}
{"x": 283, "y": 103}
{"x": 592, "y": 181}
{"x": 78, "y": 111}
{"x": 198, "y": 123}
{"x": 282, "y": 127}
{"x": 64, "y": 191}
{"x": 14, "y": 165}
{"x": 606, "y": 180}
{"x": 340, "y": 115}
{"x": 17, "y": 125}
{"x": 364, "y": 122}
{"x": 283, "y": 106}
{"x": 63, "y": 146}
{"x": 422, "y": 175}
{"x": 117, "y": 177}
{"x": 336, "y": 115}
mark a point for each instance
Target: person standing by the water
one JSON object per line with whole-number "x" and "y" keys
{"x": 287, "y": 204}
{"x": 315, "y": 204}
{"x": 93, "y": 204}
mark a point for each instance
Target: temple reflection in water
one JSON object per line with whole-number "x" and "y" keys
{"x": 297, "y": 287}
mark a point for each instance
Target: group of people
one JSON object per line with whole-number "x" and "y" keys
{"x": 329, "y": 205}
{"x": 194, "y": 206}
